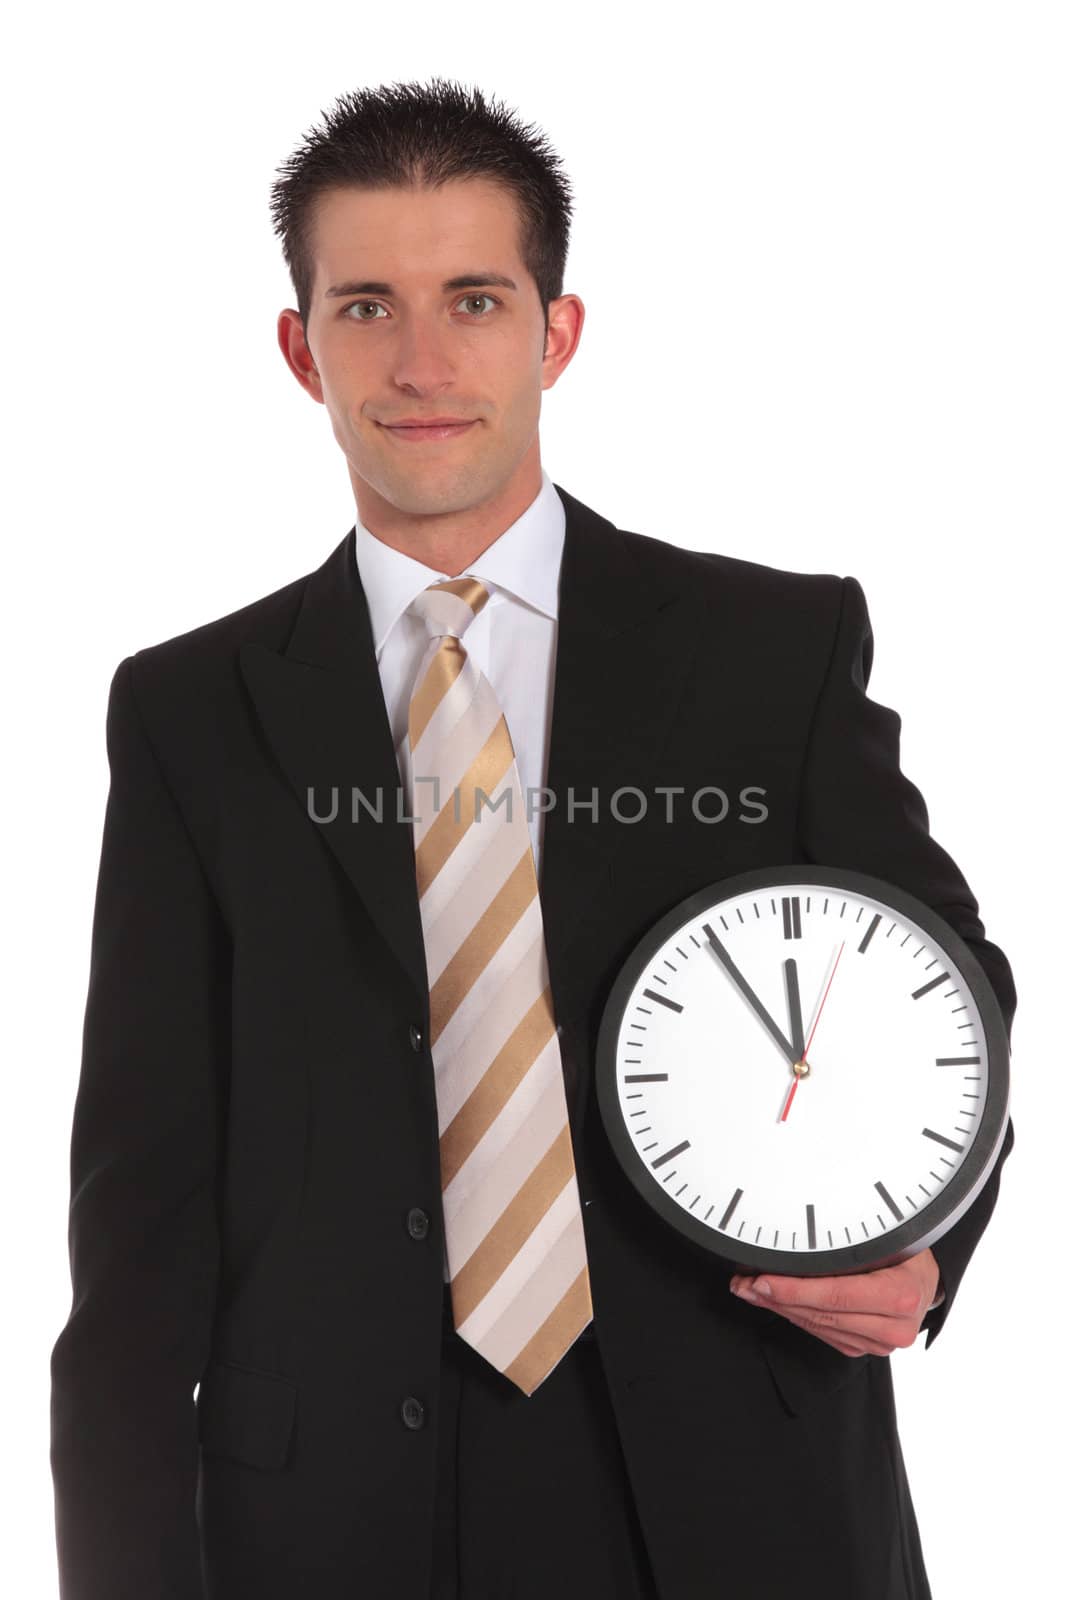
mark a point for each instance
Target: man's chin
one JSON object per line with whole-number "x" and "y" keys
{"x": 433, "y": 490}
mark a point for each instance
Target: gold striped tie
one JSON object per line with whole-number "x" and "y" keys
{"x": 514, "y": 1240}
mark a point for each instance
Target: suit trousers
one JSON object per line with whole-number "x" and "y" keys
{"x": 533, "y": 1496}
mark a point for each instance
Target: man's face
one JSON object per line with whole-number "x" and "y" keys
{"x": 387, "y": 342}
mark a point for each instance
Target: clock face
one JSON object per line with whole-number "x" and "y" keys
{"x": 804, "y": 1070}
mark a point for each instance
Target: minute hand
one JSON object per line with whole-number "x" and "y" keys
{"x": 750, "y": 995}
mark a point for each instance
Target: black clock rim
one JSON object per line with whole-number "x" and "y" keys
{"x": 959, "y": 1191}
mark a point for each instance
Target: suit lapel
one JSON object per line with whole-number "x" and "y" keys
{"x": 620, "y": 660}
{"x": 322, "y": 710}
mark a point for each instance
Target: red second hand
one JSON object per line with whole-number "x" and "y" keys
{"x": 811, "y": 1035}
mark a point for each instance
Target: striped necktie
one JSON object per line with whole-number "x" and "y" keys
{"x": 514, "y": 1240}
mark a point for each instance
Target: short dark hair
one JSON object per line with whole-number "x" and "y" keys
{"x": 411, "y": 135}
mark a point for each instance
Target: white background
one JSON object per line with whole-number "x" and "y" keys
{"x": 822, "y": 251}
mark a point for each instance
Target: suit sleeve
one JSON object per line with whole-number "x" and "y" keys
{"x": 858, "y": 810}
{"x": 143, "y": 1234}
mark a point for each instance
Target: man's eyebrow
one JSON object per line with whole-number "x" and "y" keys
{"x": 467, "y": 280}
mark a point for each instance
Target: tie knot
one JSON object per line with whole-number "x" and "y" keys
{"x": 450, "y": 606}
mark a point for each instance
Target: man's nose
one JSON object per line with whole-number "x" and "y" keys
{"x": 424, "y": 358}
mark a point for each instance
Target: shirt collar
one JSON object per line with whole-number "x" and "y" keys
{"x": 524, "y": 560}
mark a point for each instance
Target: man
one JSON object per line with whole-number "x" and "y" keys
{"x": 335, "y": 1158}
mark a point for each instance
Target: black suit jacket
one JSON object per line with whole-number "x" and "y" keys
{"x": 255, "y": 1127}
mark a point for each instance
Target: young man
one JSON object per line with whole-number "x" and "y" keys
{"x": 334, "y": 1101}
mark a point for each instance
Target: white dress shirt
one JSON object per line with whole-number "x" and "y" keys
{"x": 512, "y": 639}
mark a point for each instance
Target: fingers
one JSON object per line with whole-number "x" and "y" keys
{"x": 892, "y": 1292}
{"x": 845, "y": 1339}
{"x": 820, "y": 1307}
{"x": 871, "y": 1331}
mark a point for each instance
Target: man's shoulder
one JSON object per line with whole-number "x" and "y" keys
{"x": 193, "y": 679}
{"x": 267, "y": 619}
{"x": 713, "y": 574}
{"x": 202, "y": 662}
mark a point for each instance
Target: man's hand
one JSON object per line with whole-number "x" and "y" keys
{"x": 862, "y": 1313}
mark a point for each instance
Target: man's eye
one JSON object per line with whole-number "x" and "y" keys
{"x": 479, "y": 316}
{"x": 479, "y": 296}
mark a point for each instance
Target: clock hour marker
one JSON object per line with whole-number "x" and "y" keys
{"x": 653, "y": 994}
{"x": 668, "y": 1154}
{"x": 940, "y": 1138}
{"x": 890, "y": 1202}
{"x": 957, "y": 1061}
{"x": 865, "y": 941}
{"x": 646, "y": 1077}
{"x": 791, "y": 916}
{"x": 916, "y": 994}
{"x": 811, "y": 1226}
{"x": 731, "y": 1208}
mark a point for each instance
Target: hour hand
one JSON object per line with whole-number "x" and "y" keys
{"x": 796, "y": 1023}
{"x": 727, "y": 962}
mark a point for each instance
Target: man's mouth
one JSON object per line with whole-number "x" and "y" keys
{"x": 414, "y": 432}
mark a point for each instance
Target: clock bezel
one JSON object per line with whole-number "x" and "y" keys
{"x": 960, "y": 1189}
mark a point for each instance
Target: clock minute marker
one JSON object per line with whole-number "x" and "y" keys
{"x": 917, "y": 994}
{"x": 940, "y": 1139}
{"x": 672, "y": 1005}
{"x": 890, "y": 1202}
{"x": 731, "y": 1208}
{"x": 669, "y": 1154}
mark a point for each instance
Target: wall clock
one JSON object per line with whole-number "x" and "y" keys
{"x": 804, "y": 1070}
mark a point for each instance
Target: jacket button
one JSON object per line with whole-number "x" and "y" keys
{"x": 415, "y": 1035}
{"x": 418, "y": 1223}
{"x": 412, "y": 1412}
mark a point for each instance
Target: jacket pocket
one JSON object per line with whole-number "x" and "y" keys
{"x": 245, "y": 1414}
{"x": 806, "y": 1369}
